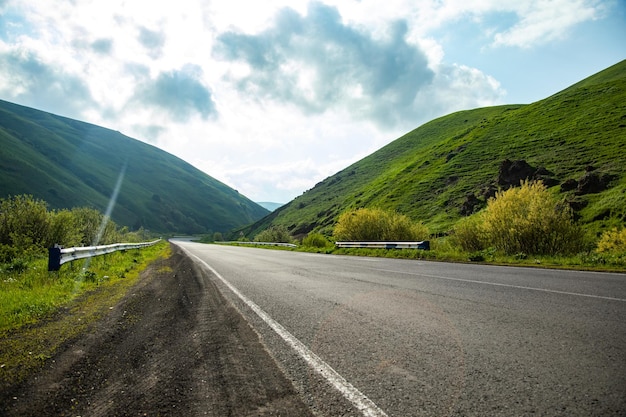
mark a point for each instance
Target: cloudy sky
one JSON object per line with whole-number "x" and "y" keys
{"x": 272, "y": 96}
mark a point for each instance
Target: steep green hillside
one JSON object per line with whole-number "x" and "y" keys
{"x": 70, "y": 163}
{"x": 450, "y": 166}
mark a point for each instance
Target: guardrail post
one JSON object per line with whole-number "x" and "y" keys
{"x": 54, "y": 258}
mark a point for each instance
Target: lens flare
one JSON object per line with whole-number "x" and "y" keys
{"x": 111, "y": 205}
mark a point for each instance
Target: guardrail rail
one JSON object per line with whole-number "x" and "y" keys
{"x": 58, "y": 255}
{"x": 238, "y": 242}
{"x": 424, "y": 245}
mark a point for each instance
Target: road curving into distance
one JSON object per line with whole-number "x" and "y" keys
{"x": 371, "y": 336}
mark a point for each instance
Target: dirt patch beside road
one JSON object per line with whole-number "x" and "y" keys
{"x": 173, "y": 346}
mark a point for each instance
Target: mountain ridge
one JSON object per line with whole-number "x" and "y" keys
{"x": 432, "y": 172}
{"x": 69, "y": 163}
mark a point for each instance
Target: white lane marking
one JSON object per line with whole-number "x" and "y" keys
{"x": 367, "y": 407}
{"x": 497, "y": 284}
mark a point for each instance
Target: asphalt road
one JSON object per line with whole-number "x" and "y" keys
{"x": 173, "y": 346}
{"x": 371, "y": 336}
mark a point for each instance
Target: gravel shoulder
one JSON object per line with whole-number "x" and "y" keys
{"x": 172, "y": 346}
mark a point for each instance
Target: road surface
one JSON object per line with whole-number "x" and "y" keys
{"x": 172, "y": 347}
{"x": 371, "y": 336}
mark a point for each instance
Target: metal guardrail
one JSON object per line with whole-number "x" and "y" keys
{"x": 237, "y": 242}
{"x": 58, "y": 255}
{"x": 424, "y": 245}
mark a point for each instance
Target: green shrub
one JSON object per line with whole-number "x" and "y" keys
{"x": 140, "y": 235}
{"x": 612, "y": 242}
{"x": 24, "y": 223}
{"x": 94, "y": 228}
{"x": 275, "y": 234}
{"x": 401, "y": 227}
{"x": 27, "y": 228}
{"x": 63, "y": 229}
{"x": 7, "y": 253}
{"x": 468, "y": 234}
{"x": 378, "y": 225}
{"x": 316, "y": 240}
{"x": 529, "y": 220}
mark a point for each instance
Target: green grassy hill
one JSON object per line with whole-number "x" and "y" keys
{"x": 69, "y": 164}
{"x": 448, "y": 168}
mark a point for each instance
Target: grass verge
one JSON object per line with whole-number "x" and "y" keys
{"x": 41, "y": 310}
{"x": 443, "y": 252}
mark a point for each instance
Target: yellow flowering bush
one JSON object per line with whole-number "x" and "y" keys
{"x": 375, "y": 224}
{"x": 524, "y": 220}
{"x": 612, "y": 241}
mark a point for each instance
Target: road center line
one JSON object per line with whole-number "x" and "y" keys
{"x": 497, "y": 284}
{"x": 352, "y": 394}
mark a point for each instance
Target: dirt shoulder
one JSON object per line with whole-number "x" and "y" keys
{"x": 172, "y": 346}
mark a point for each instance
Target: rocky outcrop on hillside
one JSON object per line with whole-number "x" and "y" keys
{"x": 512, "y": 173}
{"x": 592, "y": 182}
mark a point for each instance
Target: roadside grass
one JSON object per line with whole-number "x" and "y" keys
{"x": 41, "y": 310}
{"x": 443, "y": 251}
{"x": 584, "y": 262}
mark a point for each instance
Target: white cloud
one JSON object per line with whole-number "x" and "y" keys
{"x": 30, "y": 79}
{"x": 546, "y": 21}
{"x": 458, "y": 87}
{"x": 180, "y": 94}
{"x": 536, "y": 21}
{"x": 319, "y": 64}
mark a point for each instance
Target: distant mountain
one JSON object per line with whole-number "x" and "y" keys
{"x": 270, "y": 206}
{"x": 69, "y": 163}
{"x": 575, "y": 141}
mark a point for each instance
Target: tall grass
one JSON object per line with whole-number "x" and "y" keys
{"x": 30, "y": 292}
{"x": 444, "y": 252}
